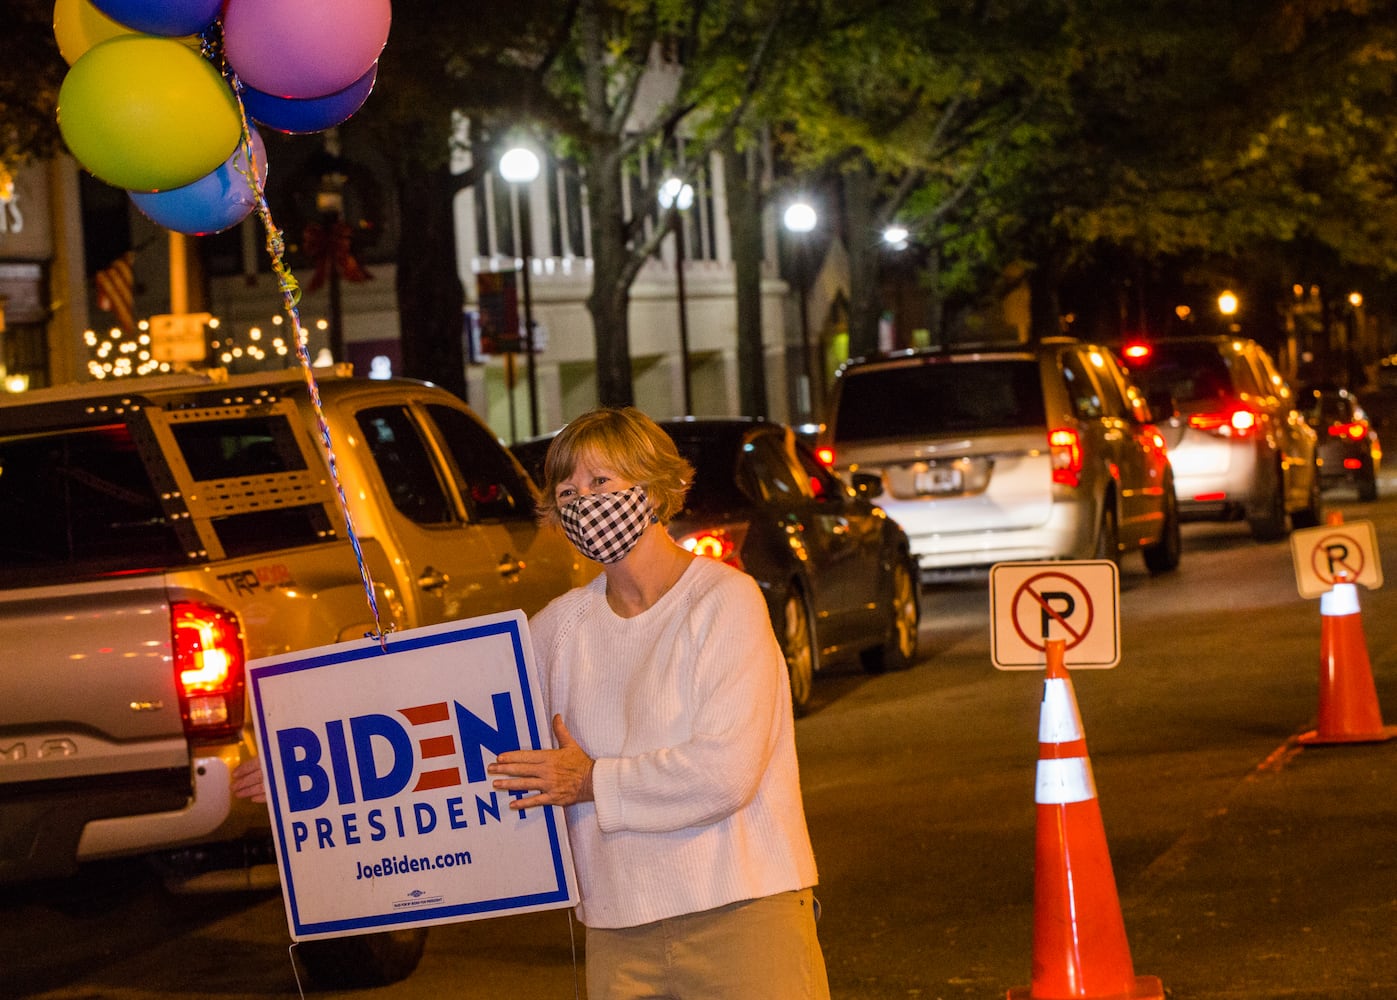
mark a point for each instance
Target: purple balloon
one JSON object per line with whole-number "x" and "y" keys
{"x": 213, "y": 203}
{"x": 172, "y": 18}
{"x": 304, "y": 48}
{"x": 300, "y": 115}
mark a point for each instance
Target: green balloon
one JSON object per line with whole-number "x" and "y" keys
{"x": 147, "y": 113}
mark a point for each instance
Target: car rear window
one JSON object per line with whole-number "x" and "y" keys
{"x": 933, "y": 399}
{"x": 714, "y": 459}
{"x": 1189, "y": 372}
{"x": 79, "y": 503}
{"x": 1329, "y": 408}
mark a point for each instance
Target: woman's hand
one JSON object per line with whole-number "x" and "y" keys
{"x": 247, "y": 781}
{"x": 560, "y": 777}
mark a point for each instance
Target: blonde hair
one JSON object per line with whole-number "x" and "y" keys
{"x": 628, "y": 443}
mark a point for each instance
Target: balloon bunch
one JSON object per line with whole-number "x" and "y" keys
{"x": 160, "y": 94}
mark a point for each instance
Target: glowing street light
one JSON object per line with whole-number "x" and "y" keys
{"x": 520, "y": 167}
{"x": 896, "y": 236}
{"x": 800, "y": 219}
{"x": 1227, "y": 303}
{"x": 675, "y": 198}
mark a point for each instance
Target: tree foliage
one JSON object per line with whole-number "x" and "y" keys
{"x": 30, "y": 77}
{"x": 1099, "y": 144}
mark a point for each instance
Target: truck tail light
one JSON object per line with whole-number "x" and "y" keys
{"x": 1065, "y": 445}
{"x": 210, "y": 669}
{"x": 825, "y": 454}
{"x": 721, "y": 542}
{"x": 1354, "y": 430}
{"x": 1239, "y": 422}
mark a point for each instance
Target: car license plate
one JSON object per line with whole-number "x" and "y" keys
{"x": 937, "y": 479}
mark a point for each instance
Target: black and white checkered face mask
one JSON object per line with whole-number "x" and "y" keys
{"x": 606, "y": 526}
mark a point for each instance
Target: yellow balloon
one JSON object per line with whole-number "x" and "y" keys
{"x": 77, "y": 25}
{"x": 147, "y": 114}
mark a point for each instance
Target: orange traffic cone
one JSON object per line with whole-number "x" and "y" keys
{"x": 1348, "y": 699}
{"x": 1079, "y": 945}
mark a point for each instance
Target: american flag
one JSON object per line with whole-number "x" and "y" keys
{"x": 116, "y": 290}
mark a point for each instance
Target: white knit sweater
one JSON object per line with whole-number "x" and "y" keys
{"x": 686, "y": 709}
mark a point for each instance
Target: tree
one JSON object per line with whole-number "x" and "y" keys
{"x": 908, "y": 109}
{"x": 33, "y": 71}
{"x": 1198, "y": 141}
{"x": 576, "y": 70}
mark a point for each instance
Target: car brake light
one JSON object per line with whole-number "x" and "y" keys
{"x": 1355, "y": 430}
{"x": 826, "y": 456}
{"x": 209, "y": 668}
{"x": 1239, "y": 422}
{"x": 1353, "y": 463}
{"x": 1136, "y": 351}
{"x": 723, "y": 543}
{"x": 1065, "y": 445}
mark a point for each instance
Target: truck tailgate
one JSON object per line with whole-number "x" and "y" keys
{"x": 87, "y": 685}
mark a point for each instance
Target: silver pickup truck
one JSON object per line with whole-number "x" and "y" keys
{"x": 157, "y": 534}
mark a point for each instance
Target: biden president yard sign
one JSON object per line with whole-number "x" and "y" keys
{"x": 374, "y": 761}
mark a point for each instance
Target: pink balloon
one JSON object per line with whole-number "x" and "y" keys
{"x": 306, "y": 48}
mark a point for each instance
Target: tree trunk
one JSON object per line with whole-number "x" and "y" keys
{"x": 1043, "y": 302}
{"x": 430, "y": 297}
{"x": 610, "y": 298}
{"x": 935, "y": 303}
{"x": 745, "y": 225}
{"x": 863, "y": 262}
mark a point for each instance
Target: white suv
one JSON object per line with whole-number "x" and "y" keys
{"x": 1042, "y": 451}
{"x": 1239, "y": 443}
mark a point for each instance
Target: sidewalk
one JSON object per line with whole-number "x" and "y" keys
{"x": 1289, "y": 891}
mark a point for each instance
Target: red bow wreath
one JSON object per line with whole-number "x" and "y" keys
{"x": 330, "y": 247}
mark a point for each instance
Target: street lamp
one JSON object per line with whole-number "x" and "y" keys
{"x": 519, "y": 166}
{"x": 896, "y": 237}
{"x": 1227, "y": 303}
{"x": 800, "y": 219}
{"x": 675, "y": 198}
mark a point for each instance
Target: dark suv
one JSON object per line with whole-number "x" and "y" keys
{"x": 1238, "y": 442}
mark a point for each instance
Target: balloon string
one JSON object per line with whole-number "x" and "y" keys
{"x": 291, "y": 297}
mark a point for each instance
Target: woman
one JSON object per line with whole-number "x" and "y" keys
{"x": 676, "y": 759}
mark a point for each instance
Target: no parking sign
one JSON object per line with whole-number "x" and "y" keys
{"x": 1077, "y": 602}
{"x": 1323, "y": 556}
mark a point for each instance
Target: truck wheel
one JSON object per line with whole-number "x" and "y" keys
{"x": 1108, "y": 535}
{"x": 1163, "y": 556}
{"x": 363, "y": 960}
{"x": 1267, "y": 522}
{"x": 800, "y": 647}
{"x": 1312, "y": 513}
{"x": 899, "y": 648}
{"x": 1368, "y": 485}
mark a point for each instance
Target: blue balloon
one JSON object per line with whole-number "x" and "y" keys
{"x": 213, "y": 203}
{"x": 172, "y": 18}
{"x": 298, "y": 116}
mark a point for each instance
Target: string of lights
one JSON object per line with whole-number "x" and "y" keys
{"x": 117, "y": 354}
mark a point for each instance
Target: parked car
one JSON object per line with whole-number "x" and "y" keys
{"x": 1240, "y": 445}
{"x": 837, "y": 574}
{"x": 162, "y": 532}
{"x": 1349, "y": 450}
{"x": 1007, "y": 453}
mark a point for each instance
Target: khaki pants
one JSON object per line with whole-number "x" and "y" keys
{"x": 758, "y": 949}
